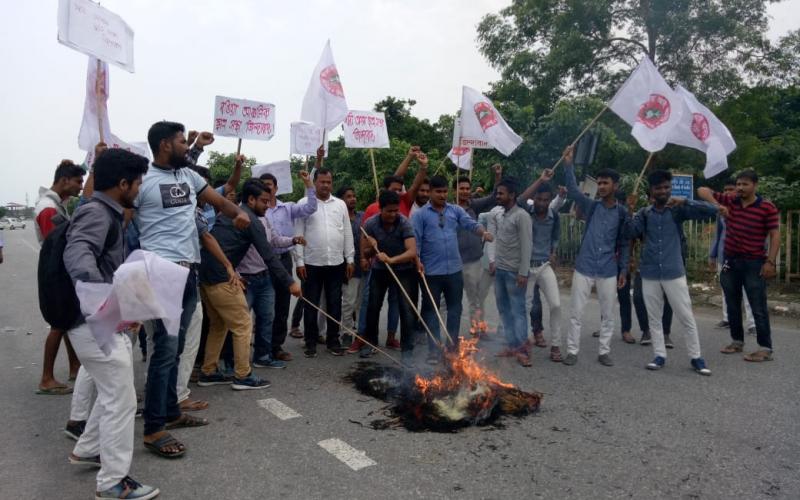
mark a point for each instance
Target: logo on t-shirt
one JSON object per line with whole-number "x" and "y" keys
{"x": 175, "y": 195}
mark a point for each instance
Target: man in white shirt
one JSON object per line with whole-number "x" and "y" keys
{"x": 324, "y": 262}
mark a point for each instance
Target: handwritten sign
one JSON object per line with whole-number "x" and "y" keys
{"x": 683, "y": 186}
{"x": 140, "y": 148}
{"x": 96, "y": 31}
{"x": 306, "y": 138}
{"x": 280, "y": 169}
{"x": 244, "y": 119}
{"x": 365, "y": 129}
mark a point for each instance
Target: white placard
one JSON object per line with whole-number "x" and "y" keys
{"x": 96, "y": 31}
{"x": 244, "y": 119}
{"x": 306, "y": 138}
{"x": 365, "y": 129}
{"x": 280, "y": 169}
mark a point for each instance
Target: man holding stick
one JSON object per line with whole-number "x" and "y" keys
{"x": 390, "y": 238}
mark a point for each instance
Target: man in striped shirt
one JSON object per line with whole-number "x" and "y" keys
{"x": 750, "y": 219}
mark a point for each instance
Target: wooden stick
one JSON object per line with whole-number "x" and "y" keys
{"x": 597, "y": 116}
{"x": 324, "y": 135}
{"x": 374, "y": 173}
{"x": 238, "y": 149}
{"x": 405, "y": 294}
{"x": 351, "y": 332}
{"x": 641, "y": 174}
{"x": 99, "y": 99}
{"x": 442, "y": 324}
{"x": 305, "y": 164}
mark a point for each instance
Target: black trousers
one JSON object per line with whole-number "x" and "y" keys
{"x": 319, "y": 280}
{"x": 282, "y": 299}
{"x": 379, "y": 282}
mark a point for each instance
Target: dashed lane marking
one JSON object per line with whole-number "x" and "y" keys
{"x": 278, "y": 409}
{"x": 353, "y": 458}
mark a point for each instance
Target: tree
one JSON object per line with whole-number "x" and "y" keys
{"x": 221, "y": 166}
{"x": 550, "y": 49}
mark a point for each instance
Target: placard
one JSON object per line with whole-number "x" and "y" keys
{"x": 365, "y": 129}
{"x": 683, "y": 186}
{"x": 281, "y": 170}
{"x": 96, "y": 31}
{"x": 244, "y": 119}
{"x": 305, "y": 138}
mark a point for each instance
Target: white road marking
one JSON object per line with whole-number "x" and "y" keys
{"x": 278, "y": 409}
{"x": 353, "y": 458}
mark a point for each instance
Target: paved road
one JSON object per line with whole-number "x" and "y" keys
{"x": 601, "y": 433}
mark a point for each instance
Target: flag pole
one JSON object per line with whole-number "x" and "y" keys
{"x": 305, "y": 163}
{"x": 238, "y": 148}
{"x": 374, "y": 173}
{"x": 98, "y": 98}
{"x": 641, "y": 174}
{"x": 586, "y": 129}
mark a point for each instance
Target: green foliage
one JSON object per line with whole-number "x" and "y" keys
{"x": 221, "y": 166}
{"x": 2, "y": 212}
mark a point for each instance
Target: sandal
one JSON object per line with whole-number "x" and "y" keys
{"x": 758, "y": 356}
{"x": 555, "y": 355}
{"x": 186, "y": 421}
{"x": 158, "y": 446}
{"x": 732, "y": 348}
{"x": 538, "y": 340}
{"x": 190, "y": 405}
{"x": 59, "y": 390}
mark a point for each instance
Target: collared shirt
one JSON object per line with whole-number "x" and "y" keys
{"x": 234, "y": 243}
{"x": 513, "y": 239}
{"x": 391, "y": 241}
{"x": 661, "y": 255}
{"x": 437, "y": 238}
{"x": 165, "y": 213}
{"x": 546, "y": 234}
{"x": 603, "y": 252}
{"x": 252, "y": 263}
{"x": 209, "y": 213}
{"x": 329, "y": 240}
{"x": 746, "y": 228}
{"x": 86, "y": 256}
{"x": 283, "y": 215}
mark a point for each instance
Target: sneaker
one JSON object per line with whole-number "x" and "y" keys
{"x": 699, "y": 365}
{"x": 74, "y": 430}
{"x": 91, "y": 461}
{"x": 310, "y": 353}
{"x": 722, "y": 324}
{"x": 355, "y": 347}
{"x": 571, "y": 359}
{"x": 751, "y": 331}
{"x": 336, "y": 350}
{"x": 250, "y": 382}
{"x": 658, "y": 363}
{"x": 605, "y": 360}
{"x": 393, "y": 343}
{"x": 129, "y": 489}
{"x": 668, "y": 342}
{"x": 628, "y": 338}
{"x": 269, "y": 363}
{"x": 216, "y": 378}
{"x": 645, "y": 340}
{"x": 366, "y": 352}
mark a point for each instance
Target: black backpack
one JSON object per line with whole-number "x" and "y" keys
{"x": 58, "y": 302}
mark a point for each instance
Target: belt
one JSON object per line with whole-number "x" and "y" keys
{"x": 254, "y": 275}
{"x": 539, "y": 263}
{"x": 187, "y": 264}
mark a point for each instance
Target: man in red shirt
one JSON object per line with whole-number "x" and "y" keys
{"x": 750, "y": 220}
{"x": 395, "y": 183}
{"x": 50, "y": 211}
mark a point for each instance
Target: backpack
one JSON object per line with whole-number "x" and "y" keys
{"x": 58, "y": 301}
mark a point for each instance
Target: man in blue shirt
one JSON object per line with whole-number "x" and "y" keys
{"x": 661, "y": 265}
{"x": 436, "y": 230}
{"x": 602, "y": 259}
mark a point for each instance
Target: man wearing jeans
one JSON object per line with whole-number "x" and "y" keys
{"x": 165, "y": 216}
{"x": 662, "y": 268}
{"x": 509, "y": 259}
{"x": 602, "y": 259}
{"x": 435, "y": 228}
{"x": 750, "y": 219}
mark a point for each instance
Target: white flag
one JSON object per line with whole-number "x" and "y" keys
{"x": 481, "y": 120}
{"x": 461, "y": 157}
{"x": 649, "y": 105}
{"x": 700, "y": 129}
{"x": 324, "y": 103}
{"x": 95, "y": 107}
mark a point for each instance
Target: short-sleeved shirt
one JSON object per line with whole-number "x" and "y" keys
{"x": 392, "y": 242}
{"x": 166, "y": 213}
{"x": 746, "y": 228}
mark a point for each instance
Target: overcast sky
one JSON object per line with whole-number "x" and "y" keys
{"x": 188, "y": 52}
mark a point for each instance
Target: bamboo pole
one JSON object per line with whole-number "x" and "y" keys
{"x": 442, "y": 324}
{"x": 98, "y": 85}
{"x": 374, "y": 173}
{"x": 238, "y": 148}
{"x": 641, "y": 174}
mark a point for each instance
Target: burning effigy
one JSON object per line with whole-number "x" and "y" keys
{"x": 461, "y": 394}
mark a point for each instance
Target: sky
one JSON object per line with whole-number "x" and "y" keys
{"x": 188, "y": 52}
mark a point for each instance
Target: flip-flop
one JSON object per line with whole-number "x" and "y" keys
{"x": 190, "y": 405}
{"x": 162, "y": 442}
{"x": 55, "y": 391}
{"x": 185, "y": 421}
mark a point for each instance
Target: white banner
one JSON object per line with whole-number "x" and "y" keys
{"x": 140, "y": 148}
{"x": 95, "y": 106}
{"x": 461, "y": 157}
{"x": 280, "y": 169}
{"x": 244, "y": 119}
{"x": 305, "y": 138}
{"x": 96, "y": 31}
{"x": 481, "y": 120}
{"x": 459, "y": 141}
{"x": 365, "y": 129}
